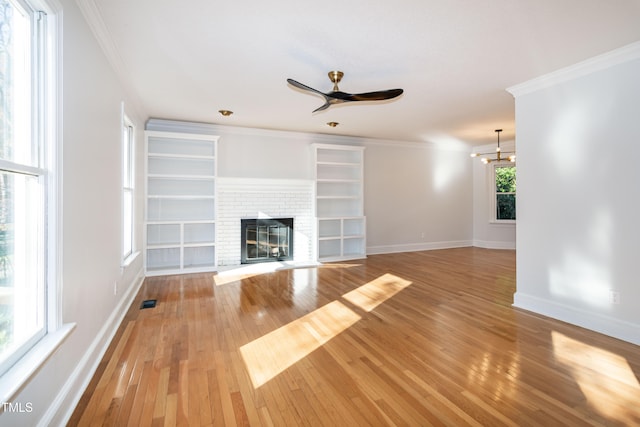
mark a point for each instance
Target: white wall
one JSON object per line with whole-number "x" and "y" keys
{"x": 486, "y": 232}
{"x": 91, "y": 200}
{"x": 417, "y": 197}
{"x": 579, "y": 194}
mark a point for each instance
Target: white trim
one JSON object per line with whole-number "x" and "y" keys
{"x": 50, "y": 100}
{"x": 606, "y": 325}
{"x": 494, "y": 244}
{"x": 129, "y": 260}
{"x": 63, "y": 405}
{"x": 493, "y": 206}
{"x": 503, "y": 222}
{"x": 29, "y": 364}
{"x": 12, "y": 167}
{"x": 53, "y": 129}
{"x": 618, "y": 56}
{"x": 175, "y": 126}
{"x": 126, "y": 122}
{"x": 415, "y": 247}
{"x": 181, "y": 135}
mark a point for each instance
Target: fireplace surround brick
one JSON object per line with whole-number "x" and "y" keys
{"x": 240, "y": 198}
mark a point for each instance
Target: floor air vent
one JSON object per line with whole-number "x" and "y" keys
{"x": 149, "y": 303}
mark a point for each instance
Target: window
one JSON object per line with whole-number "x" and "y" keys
{"x": 25, "y": 181}
{"x": 505, "y": 192}
{"x": 127, "y": 188}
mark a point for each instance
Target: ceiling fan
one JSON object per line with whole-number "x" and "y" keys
{"x": 336, "y": 96}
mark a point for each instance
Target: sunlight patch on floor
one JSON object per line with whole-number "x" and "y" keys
{"x": 374, "y": 293}
{"x": 246, "y": 271}
{"x": 497, "y": 373}
{"x": 605, "y": 378}
{"x": 271, "y": 354}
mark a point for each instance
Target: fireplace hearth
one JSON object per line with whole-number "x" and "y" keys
{"x": 266, "y": 240}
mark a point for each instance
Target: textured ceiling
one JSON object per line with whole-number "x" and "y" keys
{"x": 185, "y": 60}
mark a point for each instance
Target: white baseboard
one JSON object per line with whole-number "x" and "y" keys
{"x": 414, "y": 247}
{"x": 489, "y": 244}
{"x": 65, "y": 402}
{"x": 594, "y": 321}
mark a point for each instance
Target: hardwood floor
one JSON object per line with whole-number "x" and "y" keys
{"x": 417, "y": 339}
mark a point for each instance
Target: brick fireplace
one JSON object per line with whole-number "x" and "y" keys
{"x": 253, "y": 198}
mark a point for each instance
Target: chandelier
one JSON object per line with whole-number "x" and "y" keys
{"x": 500, "y": 156}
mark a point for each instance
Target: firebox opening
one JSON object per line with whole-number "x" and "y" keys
{"x": 266, "y": 239}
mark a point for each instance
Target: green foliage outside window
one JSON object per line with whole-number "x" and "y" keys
{"x": 506, "y": 193}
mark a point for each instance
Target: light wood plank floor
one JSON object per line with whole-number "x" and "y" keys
{"x": 415, "y": 339}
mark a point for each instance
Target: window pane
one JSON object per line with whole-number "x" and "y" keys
{"x": 15, "y": 85}
{"x": 127, "y": 241}
{"x": 126, "y": 157}
{"x": 127, "y": 189}
{"x": 506, "y": 179}
{"x": 506, "y": 206}
{"x": 21, "y": 261}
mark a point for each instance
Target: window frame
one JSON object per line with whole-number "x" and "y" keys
{"x": 495, "y": 193}
{"x": 128, "y": 186}
{"x": 47, "y": 121}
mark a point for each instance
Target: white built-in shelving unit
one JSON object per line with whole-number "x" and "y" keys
{"x": 180, "y": 217}
{"x": 339, "y": 202}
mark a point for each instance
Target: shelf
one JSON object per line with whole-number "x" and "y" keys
{"x": 353, "y": 227}
{"x": 338, "y": 172}
{"x": 180, "y": 232}
{"x": 161, "y": 143}
{"x": 199, "y": 233}
{"x": 180, "y": 209}
{"x": 337, "y": 180}
{"x": 198, "y": 221}
{"x": 339, "y": 154}
{"x": 163, "y": 258}
{"x": 184, "y": 197}
{"x": 353, "y": 248}
{"x": 339, "y": 204}
{"x": 163, "y": 234}
{"x": 180, "y": 186}
{"x": 329, "y": 248}
{"x": 331, "y": 228}
{"x": 338, "y": 207}
{"x": 185, "y": 167}
{"x": 199, "y": 256}
{"x": 179, "y": 156}
{"x": 350, "y": 189}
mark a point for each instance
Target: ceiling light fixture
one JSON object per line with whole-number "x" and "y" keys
{"x": 333, "y": 124}
{"x": 225, "y": 113}
{"x": 499, "y": 154}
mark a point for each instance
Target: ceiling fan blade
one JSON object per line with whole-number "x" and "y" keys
{"x": 323, "y": 107}
{"x": 305, "y": 87}
{"x": 337, "y": 96}
{"x": 375, "y": 96}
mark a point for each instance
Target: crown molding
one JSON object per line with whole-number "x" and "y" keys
{"x": 93, "y": 16}
{"x": 618, "y": 56}
{"x": 165, "y": 125}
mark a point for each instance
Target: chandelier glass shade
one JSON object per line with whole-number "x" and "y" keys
{"x": 498, "y": 156}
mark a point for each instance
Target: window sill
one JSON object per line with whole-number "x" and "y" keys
{"x": 502, "y": 222}
{"x": 19, "y": 374}
{"x": 129, "y": 260}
